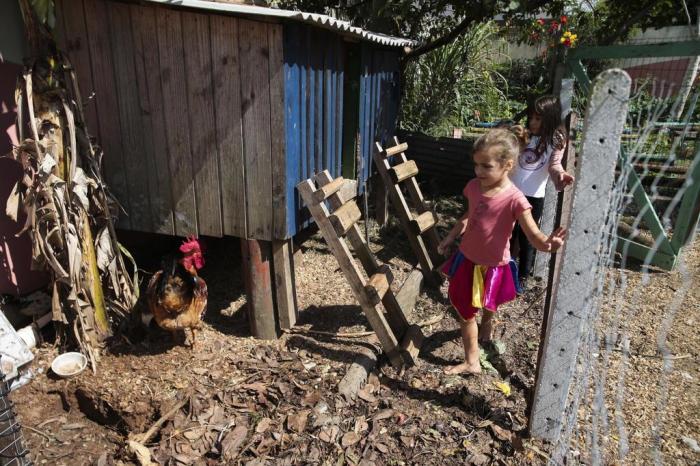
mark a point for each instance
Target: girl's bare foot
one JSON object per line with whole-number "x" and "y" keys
{"x": 464, "y": 368}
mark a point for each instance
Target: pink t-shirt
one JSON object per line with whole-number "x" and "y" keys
{"x": 486, "y": 240}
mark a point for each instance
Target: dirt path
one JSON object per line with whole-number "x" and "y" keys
{"x": 253, "y": 402}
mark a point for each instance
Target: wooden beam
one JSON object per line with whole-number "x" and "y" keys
{"x": 258, "y": 284}
{"x": 411, "y": 288}
{"x": 668, "y": 49}
{"x": 285, "y": 284}
{"x": 412, "y": 341}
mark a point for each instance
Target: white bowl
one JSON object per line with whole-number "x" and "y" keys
{"x": 69, "y": 364}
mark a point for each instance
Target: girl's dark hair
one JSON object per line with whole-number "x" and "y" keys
{"x": 552, "y": 130}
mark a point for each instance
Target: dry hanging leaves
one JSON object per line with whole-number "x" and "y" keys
{"x": 70, "y": 211}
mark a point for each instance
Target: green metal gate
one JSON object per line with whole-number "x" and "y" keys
{"x": 671, "y": 230}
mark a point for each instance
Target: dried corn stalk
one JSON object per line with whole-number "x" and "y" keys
{"x": 70, "y": 211}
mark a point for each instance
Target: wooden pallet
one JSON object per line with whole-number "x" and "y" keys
{"x": 396, "y": 171}
{"x": 400, "y": 340}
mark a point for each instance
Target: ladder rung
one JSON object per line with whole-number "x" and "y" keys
{"x": 345, "y": 217}
{"x": 422, "y": 222}
{"x": 403, "y": 171}
{"x": 324, "y": 192}
{"x": 396, "y": 150}
{"x": 378, "y": 284}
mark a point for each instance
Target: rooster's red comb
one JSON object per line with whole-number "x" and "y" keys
{"x": 190, "y": 245}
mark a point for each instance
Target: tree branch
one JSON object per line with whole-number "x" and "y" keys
{"x": 478, "y": 13}
{"x": 625, "y": 27}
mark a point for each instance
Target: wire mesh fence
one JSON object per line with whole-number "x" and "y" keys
{"x": 634, "y": 399}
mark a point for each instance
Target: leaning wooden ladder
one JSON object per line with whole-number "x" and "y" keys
{"x": 420, "y": 228}
{"x": 401, "y": 341}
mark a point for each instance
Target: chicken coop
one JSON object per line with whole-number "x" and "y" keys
{"x": 210, "y": 113}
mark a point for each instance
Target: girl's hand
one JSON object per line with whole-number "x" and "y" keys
{"x": 565, "y": 179}
{"x": 556, "y": 239}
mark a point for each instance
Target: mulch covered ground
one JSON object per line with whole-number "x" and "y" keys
{"x": 255, "y": 402}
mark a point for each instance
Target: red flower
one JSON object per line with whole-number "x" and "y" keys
{"x": 563, "y": 19}
{"x": 567, "y": 42}
{"x": 540, "y": 21}
{"x": 553, "y": 26}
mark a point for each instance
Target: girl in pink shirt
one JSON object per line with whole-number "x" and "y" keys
{"x": 482, "y": 274}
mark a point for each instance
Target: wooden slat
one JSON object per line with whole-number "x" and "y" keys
{"x": 423, "y": 222}
{"x": 172, "y": 69}
{"x": 352, "y": 273}
{"x": 143, "y": 20}
{"x": 395, "y": 150}
{"x": 403, "y": 171}
{"x": 324, "y": 192}
{"x": 200, "y": 101}
{"x": 132, "y": 128}
{"x": 254, "y": 53}
{"x": 280, "y": 165}
{"x": 227, "y": 100}
{"x": 76, "y": 43}
{"x": 345, "y": 217}
{"x": 96, "y": 20}
{"x": 378, "y": 284}
{"x": 285, "y": 286}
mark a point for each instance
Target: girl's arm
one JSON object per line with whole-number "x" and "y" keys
{"x": 539, "y": 240}
{"x": 559, "y": 176}
{"x": 456, "y": 231}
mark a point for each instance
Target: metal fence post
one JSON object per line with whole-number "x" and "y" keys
{"x": 573, "y": 284}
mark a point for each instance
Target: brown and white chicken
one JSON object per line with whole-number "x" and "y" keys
{"x": 177, "y": 295}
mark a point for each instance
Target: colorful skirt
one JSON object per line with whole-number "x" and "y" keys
{"x": 474, "y": 287}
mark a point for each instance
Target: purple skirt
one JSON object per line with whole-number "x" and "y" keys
{"x": 474, "y": 287}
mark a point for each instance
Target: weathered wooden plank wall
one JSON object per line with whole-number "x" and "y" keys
{"x": 192, "y": 127}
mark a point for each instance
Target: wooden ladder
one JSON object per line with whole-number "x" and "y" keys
{"x": 420, "y": 229}
{"x": 400, "y": 340}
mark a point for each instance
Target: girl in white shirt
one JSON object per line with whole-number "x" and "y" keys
{"x": 540, "y": 158}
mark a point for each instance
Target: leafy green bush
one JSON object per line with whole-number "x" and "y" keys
{"x": 455, "y": 85}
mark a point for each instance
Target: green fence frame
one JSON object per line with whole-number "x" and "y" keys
{"x": 664, "y": 252}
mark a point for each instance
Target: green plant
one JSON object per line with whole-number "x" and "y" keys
{"x": 455, "y": 85}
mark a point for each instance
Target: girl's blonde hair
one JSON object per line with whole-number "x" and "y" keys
{"x": 508, "y": 141}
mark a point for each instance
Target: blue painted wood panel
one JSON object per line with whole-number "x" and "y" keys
{"x": 314, "y": 61}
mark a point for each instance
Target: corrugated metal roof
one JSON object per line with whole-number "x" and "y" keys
{"x": 311, "y": 18}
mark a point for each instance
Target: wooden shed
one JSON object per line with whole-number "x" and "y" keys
{"x": 210, "y": 113}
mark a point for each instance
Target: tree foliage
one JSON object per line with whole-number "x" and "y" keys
{"x": 601, "y": 22}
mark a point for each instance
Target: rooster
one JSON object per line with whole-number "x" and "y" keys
{"x": 177, "y": 295}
